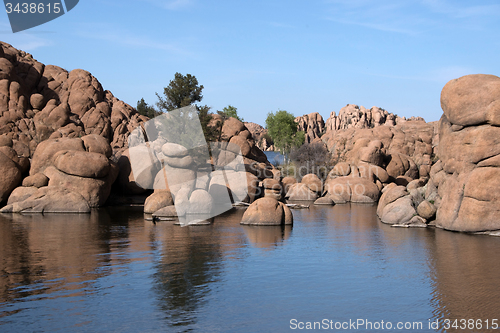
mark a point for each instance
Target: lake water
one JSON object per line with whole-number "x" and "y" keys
{"x": 275, "y": 157}
{"x": 112, "y": 271}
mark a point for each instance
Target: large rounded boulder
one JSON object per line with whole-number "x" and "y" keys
{"x": 267, "y": 211}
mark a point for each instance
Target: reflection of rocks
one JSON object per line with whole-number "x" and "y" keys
{"x": 49, "y": 256}
{"x": 268, "y": 236}
{"x": 464, "y": 276}
{"x": 267, "y": 211}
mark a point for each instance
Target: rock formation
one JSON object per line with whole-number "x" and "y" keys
{"x": 354, "y": 116}
{"x": 267, "y": 211}
{"x": 260, "y": 136}
{"x": 190, "y": 181}
{"x": 467, "y": 177}
{"x": 75, "y": 172}
{"x": 38, "y": 102}
{"x": 41, "y": 103}
{"x": 405, "y": 150}
{"x": 312, "y": 125}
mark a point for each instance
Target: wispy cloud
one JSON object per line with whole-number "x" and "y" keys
{"x": 171, "y": 4}
{"x": 376, "y": 26}
{"x": 445, "y": 74}
{"x": 26, "y": 41}
{"x": 390, "y": 16}
{"x": 410, "y": 17}
{"x": 457, "y": 11}
{"x": 439, "y": 75}
{"x": 125, "y": 38}
{"x": 281, "y": 25}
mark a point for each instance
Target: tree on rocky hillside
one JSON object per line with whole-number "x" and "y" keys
{"x": 283, "y": 130}
{"x": 182, "y": 91}
{"x": 146, "y": 110}
{"x": 231, "y": 111}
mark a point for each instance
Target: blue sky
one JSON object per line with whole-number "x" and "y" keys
{"x": 261, "y": 56}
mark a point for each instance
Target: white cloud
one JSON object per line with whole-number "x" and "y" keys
{"x": 410, "y": 17}
{"x": 26, "y": 41}
{"x": 440, "y": 75}
{"x": 125, "y": 38}
{"x": 445, "y": 74}
{"x": 390, "y": 16}
{"x": 454, "y": 10}
{"x": 171, "y": 4}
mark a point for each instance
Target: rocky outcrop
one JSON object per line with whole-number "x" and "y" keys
{"x": 405, "y": 206}
{"x": 190, "y": 181}
{"x": 78, "y": 165}
{"x": 406, "y": 149}
{"x": 273, "y": 188}
{"x": 38, "y": 102}
{"x": 354, "y": 116}
{"x": 467, "y": 177}
{"x": 12, "y": 168}
{"x": 309, "y": 188}
{"x": 260, "y": 136}
{"x": 48, "y": 199}
{"x": 267, "y": 211}
{"x": 312, "y": 125}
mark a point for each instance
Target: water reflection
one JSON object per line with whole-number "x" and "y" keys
{"x": 466, "y": 269}
{"x": 191, "y": 260}
{"x": 41, "y": 255}
{"x": 340, "y": 259}
{"x": 267, "y": 236}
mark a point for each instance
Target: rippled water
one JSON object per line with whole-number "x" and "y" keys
{"x": 112, "y": 271}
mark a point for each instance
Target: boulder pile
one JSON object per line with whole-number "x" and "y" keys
{"x": 66, "y": 175}
{"x": 466, "y": 180}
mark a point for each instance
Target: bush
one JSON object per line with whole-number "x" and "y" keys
{"x": 312, "y": 158}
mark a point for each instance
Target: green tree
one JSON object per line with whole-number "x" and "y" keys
{"x": 283, "y": 130}
{"x": 146, "y": 110}
{"x": 182, "y": 91}
{"x": 231, "y": 111}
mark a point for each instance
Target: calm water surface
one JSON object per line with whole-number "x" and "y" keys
{"x": 112, "y": 271}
